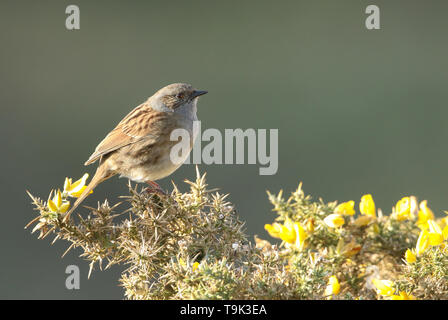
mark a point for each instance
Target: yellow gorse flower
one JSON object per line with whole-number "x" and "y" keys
{"x": 445, "y": 232}
{"x": 334, "y": 220}
{"x": 402, "y": 210}
{"x": 410, "y": 256}
{"x": 422, "y": 242}
{"x": 403, "y": 296}
{"x": 58, "y": 204}
{"x": 301, "y": 236}
{"x": 384, "y": 287}
{"x": 367, "y": 206}
{"x": 290, "y": 232}
{"x": 444, "y": 221}
{"x": 435, "y": 233}
{"x": 76, "y": 188}
{"x": 285, "y": 232}
{"x": 424, "y": 214}
{"x": 183, "y": 264}
{"x": 274, "y": 229}
{"x": 195, "y": 266}
{"x": 333, "y": 287}
{"x": 346, "y": 208}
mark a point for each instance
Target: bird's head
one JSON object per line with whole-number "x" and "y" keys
{"x": 175, "y": 97}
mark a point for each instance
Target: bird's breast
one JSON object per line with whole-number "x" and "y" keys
{"x": 149, "y": 159}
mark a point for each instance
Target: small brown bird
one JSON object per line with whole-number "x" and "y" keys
{"x": 139, "y": 147}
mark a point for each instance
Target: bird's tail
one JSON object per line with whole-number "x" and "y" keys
{"x": 101, "y": 174}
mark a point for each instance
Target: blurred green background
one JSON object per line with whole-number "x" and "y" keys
{"x": 358, "y": 111}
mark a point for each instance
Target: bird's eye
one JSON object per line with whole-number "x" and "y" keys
{"x": 180, "y": 96}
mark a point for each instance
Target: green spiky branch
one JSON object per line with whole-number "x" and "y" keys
{"x": 192, "y": 245}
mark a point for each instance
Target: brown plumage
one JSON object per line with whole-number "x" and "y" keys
{"x": 139, "y": 146}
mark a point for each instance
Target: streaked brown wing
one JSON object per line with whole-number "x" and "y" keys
{"x": 140, "y": 123}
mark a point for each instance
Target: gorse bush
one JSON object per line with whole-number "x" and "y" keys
{"x": 192, "y": 246}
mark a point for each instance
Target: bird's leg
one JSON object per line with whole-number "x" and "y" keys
{"x": 154, "y": 188}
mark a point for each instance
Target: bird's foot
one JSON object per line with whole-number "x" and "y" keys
{"x": 154, "y": 188}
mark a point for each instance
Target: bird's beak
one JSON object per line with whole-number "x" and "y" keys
{"x": 198, "y": 93}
